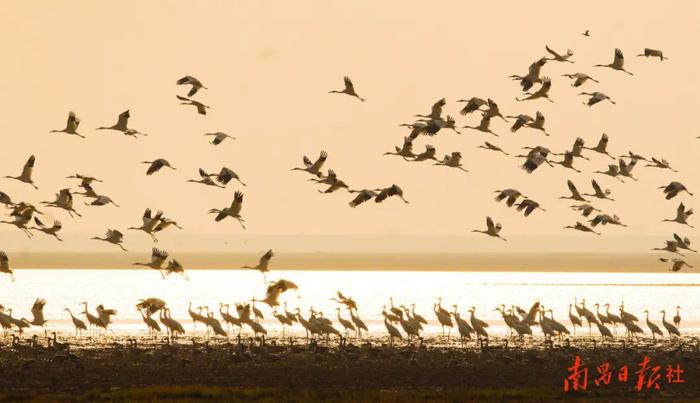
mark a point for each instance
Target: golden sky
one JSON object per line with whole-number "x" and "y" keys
{"x": 269, "y": 67}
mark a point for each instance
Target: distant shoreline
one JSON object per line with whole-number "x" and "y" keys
{"x": 516, "y": 262}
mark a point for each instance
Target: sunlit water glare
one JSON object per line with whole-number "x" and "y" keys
{"x": 120, "y": 289}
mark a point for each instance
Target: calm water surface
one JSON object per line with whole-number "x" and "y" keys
{"x": 120, "y": 289}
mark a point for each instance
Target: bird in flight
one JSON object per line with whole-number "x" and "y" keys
{"x": 653, "y": 53}
{"x": 219, "y": 137}
{"x": 122, "y": 126}
{"x": 618, "y": 62}
{"x": 71, "y": 126}
{"x": 26, "y": 175}
{"x": 201, "y": 108}
{"x": 156, "y": 165}
{"x": 189, "y": 80}
{"x": 491, "y": 229}
{"x": 349, "y": 89}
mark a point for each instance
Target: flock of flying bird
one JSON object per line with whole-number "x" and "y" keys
{"x": 534, "y": 84}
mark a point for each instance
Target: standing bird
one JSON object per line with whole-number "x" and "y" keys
{"x": 580, "y": 79}
{"x": 26, "y": 175}
{"x": 677, "y": 318}
{"x": 158, "y": 258}
{"x": 575, "y": 320}
{"x": 5, "y": 265}
{"x": 596, "y": 97}
{"x": 53, "y": 231}
{"x": 263, "y": 263}
{"x": 681, "y": 215}
{"x": 156, "y": 165}
{"x": 348, "y": 90}
{"x": 315, "y": 167}
{"x": 122, "y": 125}
{"x": 617, "y": 64}
{"x": 598, "y": 192}
{"x": 114, "y": 237}
{"x": 491, "y": 229}
{"x": 559, "y": 58}
{"x": 678, "y": 264}
{"x": 234, "y": 210}
{"x": 219, "y": 137}
{"x": 189, "y": 80}
{"x": 653, "y": 327}
{"x": 672, "y": 330}
{"x": 582, "y": 228}
{"x": 77, "y": 323}
{"x": 201, "y": 108}
{"x": 648, "y": 52}
{"x": 71, "y": 126}
{"x": 672, "y": 189}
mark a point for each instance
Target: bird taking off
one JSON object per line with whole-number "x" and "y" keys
{"x": 349, "y": 89}
{"x": 189, "y": 80}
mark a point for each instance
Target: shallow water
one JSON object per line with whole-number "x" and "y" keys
{"x": 120, "y": 289}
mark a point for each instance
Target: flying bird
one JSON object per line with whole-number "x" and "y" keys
{"x": 596, "y": 97}
{"x": 483, "y": 125}
{"x": 158, "y": 258}
{"x": 234, "y": 210}
{"x": 662, "y": 163}
{"x": 189, "y": 80}
{"x": 648, "y": 52}
{"x": 617, "y": 64}
{"x": 348, "y": 90}
{"x": 156, "y": 165}
{"x": 677, "y": 265}
{"x": 585, "y": 209}
{"x": 53, "y": 230}
{"x": 64, "y": 200}
{"x": 473, "y": 104}
{"x": 491, "y": 229}
{"x": 114, "y": 237}
{"x": 532, "y": 76}
{"x": 682, "y": 215}
{"x": 149, "y": 223}
{"x": 602, "y": 146}
{"x": 201, "y": 108}
{"x": 683, "y": 242}
{"x": 71, "y": 126}
{"x": 542, "y": 92}
{"x": 509, "y": 195}
{"x": 219, "y": 137}
{"x": 575, "y": 195}
{"x": 362, "y": 196}
{"x": 405, "y": 151}
{"x": 226, "y": 175}
{"x": 491, "y": 147}
{"x": 568, "y": 161}
{"x": 528, "y": 206}
{"x": 586, "y": 33}
{"x": 605, "y": 219}
{"x": 579, "y": 79}
{"x": 205, "y": 179}
{"x": 26, "y": 175}
{"x": 453, "y": 160}
{"x": 672, "y": 189}
{"x": 263, "y": 263}
{"x": 392, "y": 190}
{"x": 582, "y": 228}
{"x": 315, "y": 167}
{"x": 5, "y": 265}
{"x": 559, "y": 57}
{"x": 598, "y": 192}
{"x": 122, "y": 126}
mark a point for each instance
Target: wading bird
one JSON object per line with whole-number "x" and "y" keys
{"x": 114, "y": 237}
{"x": 677, "y": 318}
{"x": 348, "y": 90}
{"x": 580, "y": 79}
{"x": 234, "y": 210}
{"x": 122, "y": 125}
{"x": 491, "y": 229}
{"x": 156, "y": 165}
{"x": 189, "y": 80}
{"x": 201, "y": 108}
{"x": 26, "y": 175}
{"x": 71, "y": 126}
{"x": 219, "y": 137}
{"x": 617, "y": 64}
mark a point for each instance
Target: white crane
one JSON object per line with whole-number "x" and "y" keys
{"x": 234, "y": 210}
{"x": 26, "y": 175}
{"x": 201, "y": 108}
{"x": 71, "y": 126}
{"x": 617, "y": 64}
{"x": 219, "y": 137}
{"x": 491, "y": 229}
{"x": 122, "y": 126}
{"x": 348, "y": 90}
{"x": 114, "y": 237}
{"x": 579, "y": 79}
{"x": 155, "y": 165}
{"x": 189, "y": 80}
